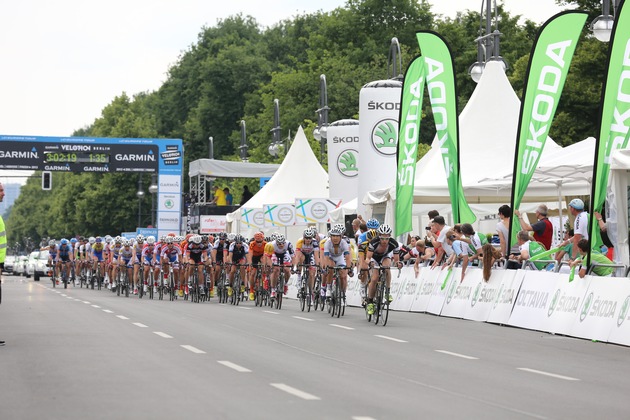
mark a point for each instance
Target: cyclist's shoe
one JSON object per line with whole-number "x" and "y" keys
{"x": 230, "y": 291}
{"x": 114, "y": 285}
{"x": 273, "y": 294}
{"x": 363, "y": 302}
{"x": 252, "y": 296}
{"x": 145, "y": 288}
{"x": 266, "y": 284}
{"x": 370, "y": 309}
{"x": 109, "y": 286}
{"x": 286, "y": 289}
{"x": 135, "y": 291}
{"x": 242, "y": 288}
{"x": 322, "y": 292}
{"x": 211, "y": 292}
{"x": 180, "y": 293}
{"x": 201, "y": 290}
{"x": 328, "y": 293}
{"x": 155, "y": 289}
{"x": 390, "y": 298}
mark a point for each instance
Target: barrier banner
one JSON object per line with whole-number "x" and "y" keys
{"x": 485, "y": 295}
{"x": 460, "y": 292}
{"x": 429, "y": 279}
{"x": 353, "y": 292}
{"x": 279, "y": 215}
{"x": 408, "y": 136}
{"x": 314, "y": 210}
{"x": 565, "y": 305}
{"x": 408, "y": 289}
{"x": 343, "y": 159}
{"x": 441, "y": 288}
{"x": 620, "y": 332}
{"x": 252, "y": 219}
{"x": 599, "y": 312}
{"x": 534, "y": 297}
{"x": 549, "y": 64}
{"x": 212, "y": 224}
{"x": 395, "y": 286}
{"x": 506, "y": 296}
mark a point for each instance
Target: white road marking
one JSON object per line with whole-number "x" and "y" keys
{"x": 341, "y": 326}
{"x": 272, "y": 312}
{"x": 303, "y": 319}
{"x": 463, "y": 356}
{"x": 193, "y": 349}
{"x": 362, "y": 418}
{"x": 390, "y": 338}
{"x": 96, "y": 306}
{"x": 86, "y": 302}
{"x": 64, "y": 295}
{"x": 69, "y": 297}
{"x": 121, "y": 317}
{"x": 296, "y": 392}
{"x": 108, "y": 311}
{"x": 138, "y": 324}
{"x": 233, "y": 366}
{"x": 161, "y": 334}
{"x": 553, "y": 375}
{"x": 245, "y": 307}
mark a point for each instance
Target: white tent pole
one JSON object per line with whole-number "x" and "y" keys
{"x": 559, "y": 184}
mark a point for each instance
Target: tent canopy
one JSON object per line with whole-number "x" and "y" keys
{"x": 228, "y": 169}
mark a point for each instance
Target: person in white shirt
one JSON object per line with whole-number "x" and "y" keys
{"x": 580, "y": 226}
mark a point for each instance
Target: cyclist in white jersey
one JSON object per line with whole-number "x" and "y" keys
{"x": 337, "y": 253}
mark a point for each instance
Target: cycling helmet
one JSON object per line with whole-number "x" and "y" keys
{"x": 140, "y": 238}
{"x": 335, "y": 231}
{"x": 258, "y": 236}
{"x": 92, "y": 240}
{"x": 52, "y": 242}
{"x": 98, "y": 239}
{"x": 384, "y": 230}
{"x": 371, "y": 234}
{"x": 196, "y": 239}
{"x": 340, "y": 227}
{"x": 74, "y": 240}
{"x": 231, "y": 237}
{"x": 373, "y": 224}
{"x": 64, "y": 241}
{"x": 280, "y": 239}
{"x": 151, "y": 240}
{"x": 168, "y": 240}
{"x": 223, "y": 236}
{"x": 108, "y": 238}
{"x": 308, "y": 233}
{"x": 238, "y": 238}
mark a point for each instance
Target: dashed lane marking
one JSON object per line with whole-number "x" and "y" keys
{"x": 296, "y": 392}
{"x": 193, "y": 349}
{"x": 233, "y": 366}
{"x": 161, "y": 334}
{"x": 463, "y": 356}
{"x": 391, "y": 338}
{"x": 552, "y": 375}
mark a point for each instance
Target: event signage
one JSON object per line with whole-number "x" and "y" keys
{"x": 533, "y": 300}
{"x": 409, "y": 289}
{"x": 440, "y": 79}
{"x": 106, "y": 155}
{"x": 429, "y": 280}
{"x": 252, "y": 219}
{"x": 279, "y": 215}
{"x": 549, "y": 64}
{"x": 565, "y": 305}
{"x": 212, "y": 224}
{"x": 379, "y": 106}
{"x": 615, "y": 112}
{"x": 314, "y": 210}
{"x": 408, "y": 135}
{"x": 343, "y": 159}
{"x": 485, "y": 295}
{"x": 506, "y": 296}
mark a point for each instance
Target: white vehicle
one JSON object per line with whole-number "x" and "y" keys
{"x": 41, "y": 268}
{"x": 19, "y": 267}
{"x": 9, "y": 263}
{"x": 30, "y": 263}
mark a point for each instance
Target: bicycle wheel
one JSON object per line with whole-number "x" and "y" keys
{"x": 64, "y": 278}
{"x": 338, "y": 299}
{"x": 171, "y": 287}
{"x": 140, "y": 282}
{"x": 150, "y": 285}
{"x": 385, "y": 309}
{"x": 302, "y": 296}
{"x": 161, "y": 288}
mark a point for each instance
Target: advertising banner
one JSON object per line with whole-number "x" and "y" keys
{"x": 620, "y": 332}
{"x": 460, "y": 293}
{"x": 379, "y": 106}
{"x": 343, "y": 159}
{"x": 429, "y": 280}
{"x": 409, "y": 135}
{"x": 252, "y": 219}
{"x": 279, "y": 215}
{"x": 409, "y": 289}
{"x": 506, "y": 296}
{"x": 599, "y": 313}
{"x": 353, "y": 291}
{"x": 534, "y": 298}
{"x": 548, "y": 67}
{"x": 445, "y": 281}
{"x": 440, "y": 79}
{"x": 212, "y": 224}
{"x": 485, "y": 295}
{"x": 314, "y": 210}
{"x": 566, "y": 303}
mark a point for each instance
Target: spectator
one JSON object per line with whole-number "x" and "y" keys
{"x": 490, "y": 256}
{"x": 474, "y": 240}
{"x": 543, "y": 229}
{"x": 432, "y": 215}
{"x": 356, "y": 227}
{"x": 437, "y": 234}
{"x": 603, "y": 227}
{"x": 228, "y": 197}
{"x": 503, "y": 228}
{"x": 528, "y": 249}
{"x": 246, "y": 195}
{"x": 459, "y": 252}
{"x": 422, "y": 254}
{"x": 580, "y": 226}
{"x": 219, "y": 197}
{"x": 596, "y": 257}
{"x": 566, "y": 246}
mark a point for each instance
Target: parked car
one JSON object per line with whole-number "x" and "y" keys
{"x": 41, "y": 270}
{"x": 19, "y": 268}
{"x": 9, "y": 262}
{"x": 30, "y": 263}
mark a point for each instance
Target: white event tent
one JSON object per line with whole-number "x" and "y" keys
{"x": 299, "y": 176}
{"x": 487, "y": 127}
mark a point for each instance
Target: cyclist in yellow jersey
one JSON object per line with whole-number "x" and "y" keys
{"x": 307, "y": 252}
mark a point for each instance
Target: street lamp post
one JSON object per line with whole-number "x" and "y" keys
{"x": 140, "y": 194}
{"x": 487, "y": 42}
{"x": 320, "y": 132}
{"x": 274, "y": 147}
{"x": 243, "y": 147}
{"x": 153, "y": 189}
{"x": 602, "y": 25}
{"x": 211, "y": 147}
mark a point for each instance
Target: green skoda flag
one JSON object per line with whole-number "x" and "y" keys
{"x": 440, "y": 79}
{"x": 615, "y": 113}
{"x": 408, "y": 136}
{"x": 549, "y": 64}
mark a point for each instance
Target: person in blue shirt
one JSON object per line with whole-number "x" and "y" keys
{"x": 228, "y": 196}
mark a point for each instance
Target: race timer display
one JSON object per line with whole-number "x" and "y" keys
{"x": 72, "y": 157}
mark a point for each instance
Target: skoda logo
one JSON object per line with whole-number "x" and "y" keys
{"x": 623, "y": 312}
{"x": 475, "y": 296}
{"x": 587, "y": 305}
{"x": 384, "y": 137}
{"x": 347, "y": 163}
{"x": 554, "y": 302}
{"x": 169, "y": 204}
{"x": 496, "y": 301}
{"x": 451, "y": 292}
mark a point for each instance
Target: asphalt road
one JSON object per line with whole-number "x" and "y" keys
{"x": 77, "y": 354}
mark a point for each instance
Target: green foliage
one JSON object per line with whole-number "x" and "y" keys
{"x": 236, "y": 69}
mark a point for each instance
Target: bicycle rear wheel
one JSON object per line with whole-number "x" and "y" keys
{"x": 338, "y": 300}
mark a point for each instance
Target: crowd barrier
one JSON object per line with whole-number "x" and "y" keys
{"x": 595, "y": 308}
